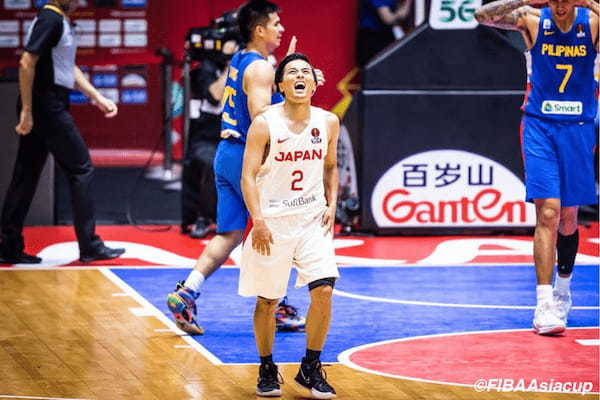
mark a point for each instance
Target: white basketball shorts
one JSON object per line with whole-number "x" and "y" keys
{"x": 299, "y": 241}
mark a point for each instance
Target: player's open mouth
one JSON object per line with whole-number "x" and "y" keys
{"x": 299, "y": 86}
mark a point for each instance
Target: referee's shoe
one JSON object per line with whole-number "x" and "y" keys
{"x": 101, "y": 253}
{"x": 18, "y": 257}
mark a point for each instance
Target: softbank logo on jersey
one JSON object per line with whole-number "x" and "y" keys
{"x": 299, "y": 201}
{"x": 450, "y": 188}
{"x": 562, "y": 107}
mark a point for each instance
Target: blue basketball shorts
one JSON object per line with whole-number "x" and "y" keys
{"x": 232, "y": 213}
{"x": 559, "y": 160}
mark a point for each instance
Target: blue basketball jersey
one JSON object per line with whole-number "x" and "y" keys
{"x": 561, "y": 83}
{"x": 236, "y": 115}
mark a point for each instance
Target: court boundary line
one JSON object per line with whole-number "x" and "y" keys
{"x": 342, "y": 293}
{"x": 344, "y": 357}
{"x": 159, "y": 315}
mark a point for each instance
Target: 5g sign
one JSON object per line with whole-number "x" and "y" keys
{"x": 453, "y": 14}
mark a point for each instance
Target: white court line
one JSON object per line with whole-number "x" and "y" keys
{"x": 335, "y": 291}
{"x": 6, "y": 396}
{"x": 158, "y": 314}
{"x": 431, "y": 303}
{"x": 142, "y": 312}
{"x": 588, "y": 342}
{"x": 344, "y": 357}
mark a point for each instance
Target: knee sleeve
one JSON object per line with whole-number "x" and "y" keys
{"x": 566, "y": 249}
{"x": 321, "y": 282}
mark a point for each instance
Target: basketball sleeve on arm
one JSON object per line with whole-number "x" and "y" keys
{"x": 45, "y": 34}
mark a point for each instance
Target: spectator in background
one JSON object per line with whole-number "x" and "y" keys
{"x": 377, "y": 19}
{"x": 198, "y": 194}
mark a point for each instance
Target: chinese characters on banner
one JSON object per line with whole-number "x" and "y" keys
{"x": 415, "y": 175}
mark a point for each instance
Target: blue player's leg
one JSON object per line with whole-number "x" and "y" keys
{"x": 546, "y": 320}
{"x": 575, "y": 147}
{"x": 182, "y": 302}
{"x": 542, "y": 185}
{"x": 232, "y": 218}
{"x": 566, "y": 250}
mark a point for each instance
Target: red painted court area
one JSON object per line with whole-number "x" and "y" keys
{"x": 468, "y": 358}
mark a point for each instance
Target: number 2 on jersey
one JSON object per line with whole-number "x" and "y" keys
{"x": 299, "y": 176}
{"x": 568, "y": 68}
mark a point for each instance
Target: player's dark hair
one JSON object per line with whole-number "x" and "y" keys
{"x": 252, "y": 14}
{"x": 288, "y": 59}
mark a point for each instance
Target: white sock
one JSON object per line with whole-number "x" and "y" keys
{"x": 195, "y": 280}
{"x": 563, "y": 285}
{"x": 544, "y": 293}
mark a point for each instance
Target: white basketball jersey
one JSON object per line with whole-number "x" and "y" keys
{"x": 290, "y": 181}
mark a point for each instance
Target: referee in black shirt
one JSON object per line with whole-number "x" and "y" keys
{"x": 47, "y": 73}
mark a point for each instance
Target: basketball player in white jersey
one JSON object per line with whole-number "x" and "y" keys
{"x": 290, "y": 184}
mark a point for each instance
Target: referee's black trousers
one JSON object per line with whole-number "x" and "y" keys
{"x": 54, "y": 131}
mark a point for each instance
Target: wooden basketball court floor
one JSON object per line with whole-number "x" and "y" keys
{"x": 73, "y": 331}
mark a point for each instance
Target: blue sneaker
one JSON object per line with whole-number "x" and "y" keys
{"x": 182, "y": 303}
{"x": 287, "y": 318}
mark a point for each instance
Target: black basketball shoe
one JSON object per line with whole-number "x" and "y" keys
{"x": 312, "y": 377}
{"x": 268, "y": 381}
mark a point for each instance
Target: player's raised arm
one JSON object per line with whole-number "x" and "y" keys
{"x": 507, "y": 14}
{"x": 258, "y": 84}
{"x": 292, "y": 46}
{"x": 591, "y": 4}
{"x": 256, "y": 144}
{"x": 331, "y": 175}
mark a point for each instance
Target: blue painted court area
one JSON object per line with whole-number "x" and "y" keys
{"x": 227, "y": 317}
